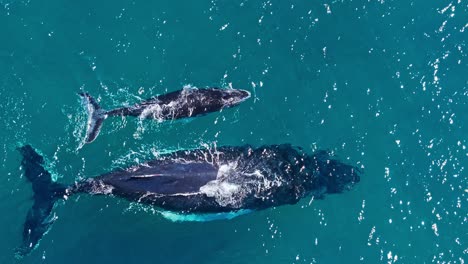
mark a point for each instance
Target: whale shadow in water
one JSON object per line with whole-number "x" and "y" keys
{"x": 185, "y": 103}
{"x": 196, "y": 184}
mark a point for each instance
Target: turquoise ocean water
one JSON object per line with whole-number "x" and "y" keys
{"x": 383, "y": 84}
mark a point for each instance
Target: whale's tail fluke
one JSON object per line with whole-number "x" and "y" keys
{"x": 96, "y": 117}
{"x": 46, "y": 193}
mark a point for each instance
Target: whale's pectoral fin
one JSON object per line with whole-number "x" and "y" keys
{"x": 46, "y": 192}
{"x": 96, "y": 117}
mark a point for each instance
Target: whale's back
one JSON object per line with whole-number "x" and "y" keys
{"x": 167, "y": 178}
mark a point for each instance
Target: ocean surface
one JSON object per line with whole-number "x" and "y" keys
{"x": 381, "y": 83}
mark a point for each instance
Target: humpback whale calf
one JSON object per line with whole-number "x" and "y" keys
{"x": 210, "y": 183}
{"x": 188, "y": 102}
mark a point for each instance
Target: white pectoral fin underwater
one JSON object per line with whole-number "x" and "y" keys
{"x": 188, "y": 186}
{"x": 184, "y": 103}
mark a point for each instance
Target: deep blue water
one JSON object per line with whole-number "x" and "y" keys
{"x": 383, "y": 84}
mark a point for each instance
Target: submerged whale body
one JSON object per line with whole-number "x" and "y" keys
{"x": 230, "y": 180}
{"x": 188, "y": 102}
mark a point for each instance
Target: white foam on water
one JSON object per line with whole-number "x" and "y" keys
{"x": 222, "y": 191}
{"x": 225, "y": 193}
{"x": 155, "y": 111}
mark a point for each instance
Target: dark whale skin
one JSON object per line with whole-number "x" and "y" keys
{"x": 184, "y": 103}
{"x": 226, "y": 180}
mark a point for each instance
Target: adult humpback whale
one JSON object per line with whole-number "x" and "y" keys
{"x": 188, "y": 102}
{"x": 229, "y": 180}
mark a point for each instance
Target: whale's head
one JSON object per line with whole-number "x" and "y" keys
{"x": 233, "y": 97}
{"x": 342, "y": 178}
{"x": 331, "y": 175}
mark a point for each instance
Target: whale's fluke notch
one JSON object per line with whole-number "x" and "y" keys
{"x": 46, "y": 193}
{"x": 96, "y": 117}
